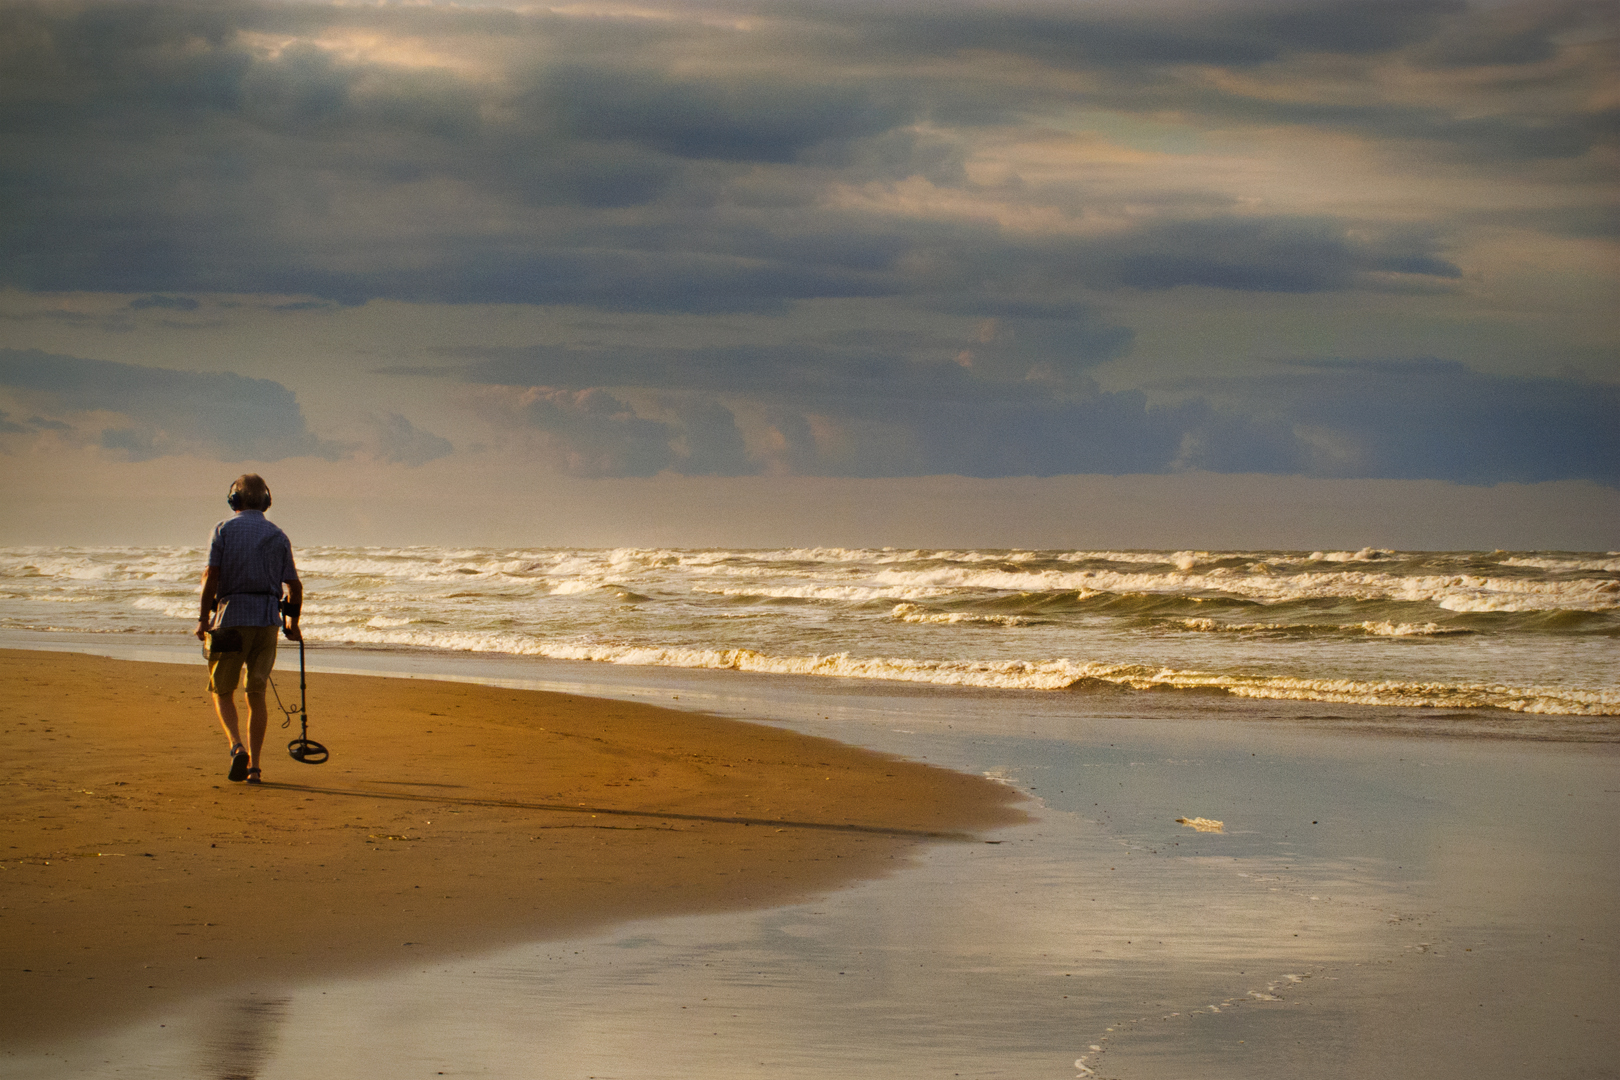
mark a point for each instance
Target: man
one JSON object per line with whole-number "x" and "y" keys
{"x": 249, "y": 563}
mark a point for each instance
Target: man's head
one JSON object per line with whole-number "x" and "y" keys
{"x": 249, "y": 492}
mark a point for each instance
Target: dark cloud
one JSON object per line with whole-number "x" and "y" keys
{"x": 304, "y": 305}
{"x": 172, "y": 303}
{"x": 1261, "y": 255}
{"x": 708, "y": 442}
{"x": 1113, "y": 433}
{"x": 162, "y": 148}
{"x": 777, "y": 370}
{"x": 741, "y": 120}
{"x": 1503, "y": 138}
{"x": 1135, "y": 51}
{"x": 1405, "y": 419}
{"x": 1120, "y": 35}
{"x": 626, "y": 280}
{"x": 817, "y": 151}
{"x": 592, "y": 433}
{"x": 222, "y": 415}
{"x": 1509, "y": 35}
{"x": 1391, "y": 420}
{"x": 1436, "y": 418}
{"x": 999, "y": 361}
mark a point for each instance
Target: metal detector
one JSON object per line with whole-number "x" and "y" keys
{"x": 303, "y": 748}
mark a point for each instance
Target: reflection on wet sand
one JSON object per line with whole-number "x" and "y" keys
{"x": 242, "y": 1037}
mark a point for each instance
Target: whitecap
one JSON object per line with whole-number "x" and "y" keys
{"x": 1561, "y": 565}
{"x": 1389, "y": 629}
{"x": 913, "y": 613}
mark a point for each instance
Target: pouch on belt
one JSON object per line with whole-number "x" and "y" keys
{"x": 224, "y": 640}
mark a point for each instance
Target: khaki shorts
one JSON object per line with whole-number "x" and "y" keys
{"x": 258, "y": 656}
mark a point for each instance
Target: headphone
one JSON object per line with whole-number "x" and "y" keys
{"x": 233, "y": 497}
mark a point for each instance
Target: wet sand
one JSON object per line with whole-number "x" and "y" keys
{"x": 452, "y": 818}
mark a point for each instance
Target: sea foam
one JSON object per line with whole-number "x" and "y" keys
{"x": 1525, "y": 632}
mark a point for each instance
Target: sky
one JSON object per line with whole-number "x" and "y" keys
{"x": 1224, "y": 273}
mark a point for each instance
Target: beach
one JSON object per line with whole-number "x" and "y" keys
{"x": 456, "y": 818}
{"x": 989, "y": 540}
{"x": 1411, "y": 906}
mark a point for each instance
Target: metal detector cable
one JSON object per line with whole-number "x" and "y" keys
{"x": 303, "y": 749}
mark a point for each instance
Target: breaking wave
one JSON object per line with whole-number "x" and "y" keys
{"x": 1527, "y": 632}
{"x": 1055, "y": 674}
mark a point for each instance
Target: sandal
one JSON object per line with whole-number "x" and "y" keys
{"x": 253, "y": 776}
{"x": 239, "y": 764}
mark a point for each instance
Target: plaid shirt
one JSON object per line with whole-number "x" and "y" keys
{"x": 252, "y": 559}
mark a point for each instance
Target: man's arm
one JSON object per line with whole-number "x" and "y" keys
{"x": 210, "y": 598}
{"x": 295, "y": 607}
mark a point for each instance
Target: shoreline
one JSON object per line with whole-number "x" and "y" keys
{"x": 598, "y": 679}
{"x": 452, "y": 818}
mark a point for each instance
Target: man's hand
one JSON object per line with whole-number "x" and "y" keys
{"x": 210, "y": 597}
{"x": 290, "y": 608}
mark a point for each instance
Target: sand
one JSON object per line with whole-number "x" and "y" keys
{"x": 451, "y": 818}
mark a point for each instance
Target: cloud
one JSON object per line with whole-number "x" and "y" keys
{"x": 1508, "y": 36}
{"x": 592, "y": 433}
{"x": 1407, "y": 419}
{"x": 1402, "y": 419}
{"x": 1004, "y": 355}
{"x": 1266, "y": 255}
{"x": 834, "y": 239}
{"x": 172, "y": 303}
{"x": 400, "y": 441}
{"x": 1129, "y": 35}
{"x": 790, "y": 371}
{"x": 679, "y": 165}
{"x": 1364, "y": 419}
{"x": 148, "y": 412}
{"x": 733, "y": 120}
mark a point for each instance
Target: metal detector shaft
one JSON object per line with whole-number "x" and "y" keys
{"x": 304, "y": 748}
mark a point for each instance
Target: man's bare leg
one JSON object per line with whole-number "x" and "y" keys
{"x": 225, "y": 706}
{"x": 258, "y": 722}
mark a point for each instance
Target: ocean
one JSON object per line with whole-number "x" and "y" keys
{"x": 1520, "y": 643}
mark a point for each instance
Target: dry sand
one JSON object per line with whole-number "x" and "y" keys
{"x": 451, "y": 818}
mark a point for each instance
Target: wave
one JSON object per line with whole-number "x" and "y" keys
{"x": 854, "y": 593}
{"x": 1565, "y": 565}
{"x": 1056, "y": 674}
{"x": 1366, "y": 554}
{"x": 918, "y": 615}
{"x": 1453, "y": 592}
{"x": 49, "y": 628}
{"x": 1459, "y": 582}
{"x": 912, "y": 613}
{"x": 171, "y": 606}
{"x": 85, "y": 564}
{"x": 1380, "y": 628}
